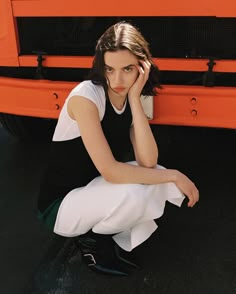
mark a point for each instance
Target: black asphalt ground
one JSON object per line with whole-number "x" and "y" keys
{"x": 193, "y": 251}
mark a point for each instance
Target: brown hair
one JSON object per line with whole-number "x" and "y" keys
{"x": 124, "y": 36}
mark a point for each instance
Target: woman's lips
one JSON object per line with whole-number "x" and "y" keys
{"x": 119, "y": 89}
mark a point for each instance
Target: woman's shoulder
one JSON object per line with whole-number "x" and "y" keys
{"x": 92, "y": 92}
{"x": 86, "y": 88}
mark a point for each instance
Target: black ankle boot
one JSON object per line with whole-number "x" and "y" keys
{"x": 126, "y": 257}
{"x": 99, "y": 254}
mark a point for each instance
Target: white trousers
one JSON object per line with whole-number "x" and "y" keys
{"x": 126, "y": 210}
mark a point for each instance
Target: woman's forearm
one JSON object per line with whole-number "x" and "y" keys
{"x": 121, "y": 173}
{"x": 145, "y": 146}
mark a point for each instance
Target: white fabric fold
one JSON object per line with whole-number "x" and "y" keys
{"x": 126, "y": 210}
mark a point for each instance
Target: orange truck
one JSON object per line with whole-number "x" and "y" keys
{"x": 47, "y": 47}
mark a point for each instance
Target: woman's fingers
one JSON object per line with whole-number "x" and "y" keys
{"x": 193, "y": 197}
{"x": 188, "y": 188}
{"x": 146, "y": 65}
{"x": 144, "y": 69}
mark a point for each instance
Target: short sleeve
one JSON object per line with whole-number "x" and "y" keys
{"x": 92, "y": 92}
{"x": 67, "y": 128}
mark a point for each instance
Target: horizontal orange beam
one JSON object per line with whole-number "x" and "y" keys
{"x": 57, "y": 61}
{"x": 189, "y": 64}
{"x": 175, "y": 105}
{"x": 217, "y": 8}
{"x": 39, "y": 98}
{"x": 171, "y": 64}
{"x": 121, "y": 8}
{"x": 196, "y": 106}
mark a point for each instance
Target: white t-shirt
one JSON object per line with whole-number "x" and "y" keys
{"x": 67, "y": 128}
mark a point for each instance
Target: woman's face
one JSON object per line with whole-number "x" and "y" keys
{"x": 121, "y": 71}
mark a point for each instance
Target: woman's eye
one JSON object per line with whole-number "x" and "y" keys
{"x": 108, "y": 69}
{"x": 127, "y": 69}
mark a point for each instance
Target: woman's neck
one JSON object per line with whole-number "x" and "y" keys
{"x": 116, "y": 100}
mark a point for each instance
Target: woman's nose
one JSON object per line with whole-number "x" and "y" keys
{"x": 118, "y": 78}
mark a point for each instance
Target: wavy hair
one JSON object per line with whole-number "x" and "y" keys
{"x": 123, "y": 36}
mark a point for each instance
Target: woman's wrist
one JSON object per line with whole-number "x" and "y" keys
{"x": 136, "y": 105}
{"x": 173, "y": 175}
{"x": 134, "y": 99}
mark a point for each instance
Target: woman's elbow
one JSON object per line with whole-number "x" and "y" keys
{"x": 111, "y": 178}
{"x": 109, "y": 174}
{"x": 149, "y": 162}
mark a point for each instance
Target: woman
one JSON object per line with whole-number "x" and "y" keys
{"x": 88, "y": 191}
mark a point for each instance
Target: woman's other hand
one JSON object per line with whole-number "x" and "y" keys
{"x": 188, "y": 188}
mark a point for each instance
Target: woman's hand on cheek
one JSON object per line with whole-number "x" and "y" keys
{"x": 143, "y": 74}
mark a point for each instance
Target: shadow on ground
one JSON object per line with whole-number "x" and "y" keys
{"x": 193, "y": 251}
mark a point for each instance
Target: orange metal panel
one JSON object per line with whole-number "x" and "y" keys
{"x": 196, "y": 106}
{"x": 120, "y": 8}
{"x": 8, "y": 36}
{"x": 58, "y": 61}
{"x": 226, "y": 8}
{"x": 175, "y": 105}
